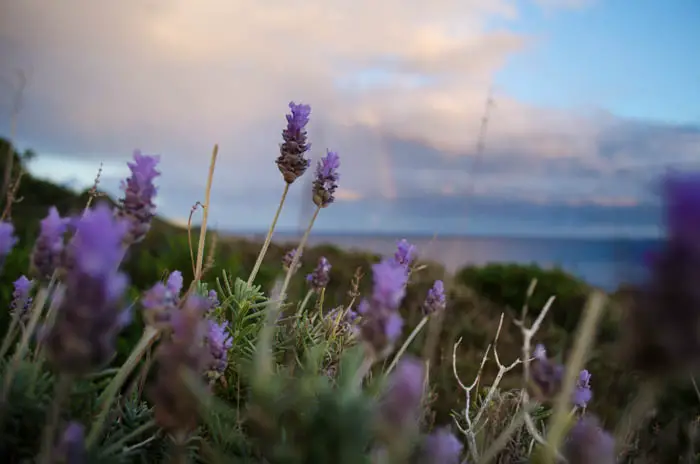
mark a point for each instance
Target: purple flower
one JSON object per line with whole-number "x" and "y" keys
{"x": 291, "y": 161}
{"x": 288, "y": 258}
{"x": 588, "y": 443}
{"x": 90, "y": 313}
{"x": 213, "y": 300}
{"x": 71, "y": 447}
{"x": 21, "y": 301}
{"x": 582, "y": 392}
{"x": 139, "y": 191}
{"x": 319, "y": 279}
{"x": 381, "y": 323}
{"x": 401, "y": 402}
{"x": 404, "y": 253}
{"x": 342, "y": 319}
{"x": 546, "y": 375}
{"x": 219, "y": 342}
{"x": 326, "y": 181}
{"x": 441, "y": 447}
{"x": 435, "y": 301}
{"x": 176, "y": 407}
{"x": 7, "y": 239}
{"x": 48, "y": 248}
{"x": 161, "y": 299}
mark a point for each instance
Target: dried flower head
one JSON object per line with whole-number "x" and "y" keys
{"x": 48, "y": 248}
{"x": 291, "y": 161}
{"x": 219, "y": 342}
{"x": 319, "y": 278}
{"x": 441, "y": 447}
{"x": 90, "y": 313}
{"x": 400, "y": 404}
{"x": 404, "y": 253}
{"x": 381, "y": 323}
{"x": 435, "y": 301}
{"x": 139, "y": 191}
{"x": 21, "y": 300}
{"x": 326, "y": 181}
{"x": 661, "y": 335}
{"x": 588, "y": 443}
{"x": 184, "y": 351}
{"x": 288, "y": 259}
{"x": 7, "y": 239}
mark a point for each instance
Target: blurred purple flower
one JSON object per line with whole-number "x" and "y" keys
{"x": 176, "y": 407}
{"x": 71, "y": 447}
{"x": 588, "y": 443}
{"x": 161, "y": 299}
{"x": 21, "y": 300}
{"x": 435, "y": 301}
{"x": 404, "y": 253}
{"x": 660, "y": 336}
{"x": 546, "y": 375}
{"x": 326, "y": 181}
{"x": 7, "y": 239}
{"x": 441, "y": 447}
{"x": 288, "y": 258}
{"x": 320, "y": 277}
{"x": 381, "y": 323}
{"x": 213, "y": 300}
{"x": 582, "y": 394}
{"x": 291, "y": 161}
{"x": 342, "y": 319}
{"x": 139, "y": 191}
{"x": 90, "y": 314}
{"x": 400, "y": 404}
{"x": 219, "y": 342}
{"x": 48, "y": 248}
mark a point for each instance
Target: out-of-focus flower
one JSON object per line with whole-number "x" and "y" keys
{"x": 342, "y": 319}
{"x": 288, "y": 258}
{"x": 213, "y": 299}
{"x": 219, "y": 342}
{"x": 71, "y": 447}
{"x": 588, "y": 443}
{"x": 291, "y": 161}
{"x": 137, "y": 206}
{"x": 441, "y": 447}
{"x": 160, "y": 300}
{"x": 404, "y": 253}
{"x": 48, "y": 248}
{"x": 21, "y": 300}
{"x": 7, "y": 239}
{"x": 547, "y": 376}
{"x": 435, "y": 301}
{"x": 185, "y": 350}
{"x": 90, "y": 313}
{"x": 319, "y": 278}
{"x": 400, "y": 404}
{"x": 582, "y": 392}
{"x": 381, "y": 323}
{"x": 660, "y": 335}
{"x": 326, "y": 181}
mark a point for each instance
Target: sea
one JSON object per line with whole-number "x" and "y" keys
{"x": 603, "y": 263}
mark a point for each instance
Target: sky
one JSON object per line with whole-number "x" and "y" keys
{"x": 587, "y": 103}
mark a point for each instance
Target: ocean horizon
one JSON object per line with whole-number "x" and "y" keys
{"x": 605, "y": 263}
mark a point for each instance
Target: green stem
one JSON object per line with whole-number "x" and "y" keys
{"x": 304, "y": 302}
{"x": 408, "y": 341}
{"x": 60, "y": 396}
{"x": 362, "y": 371}
{"x": 107, "y": 397}
{"x": 124, "y": 440}
{"x": 10, "y": 335}
{"x": 268, "y": 239}
{"x": 297, "y": 256}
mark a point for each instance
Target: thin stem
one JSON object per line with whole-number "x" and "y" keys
{"x": 297, "y": 255}
{"x": 586, "y": 334}
{"x": 107, "y": 397}
{"x": 268, "y": 239}
{"x": 405, "y": 345}
{"x": 124, "y": 440}
{"x": 61, "y": 394}
{"x": 10, "y": 335}
{"x": 304, "y": 302}
{"x": 205, "y": 216}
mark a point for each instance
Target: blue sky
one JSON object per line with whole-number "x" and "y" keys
{"x": 594, "y": 100}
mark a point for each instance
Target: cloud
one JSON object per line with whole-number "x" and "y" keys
{"x": 397, "y": 87}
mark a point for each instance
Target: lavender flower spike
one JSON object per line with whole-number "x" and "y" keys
{"x": 404, "y": 253}
{"x": 160, "y": 300}
{"x": 319, "y": 279}
{"x": 21, "y": 301}
{"x": 288, "y": 258}
{"x": 71, "y": 447}
{"x": 401, "y": 402}
{"x": 582, "y": 393}
{"x": 441, "y": 447}
{"x": 219, "y": 342}
{"x": 7, "y": 239}
{"x": 588, "y": 443}
{"x": 435, "y": 301}
{"x": 291, "y": 161}
{"x": 326, "y": 181}
{"x": 48, "y": 249}
{"x": 137, "y": 205}
{"x": 90, "y": 314}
